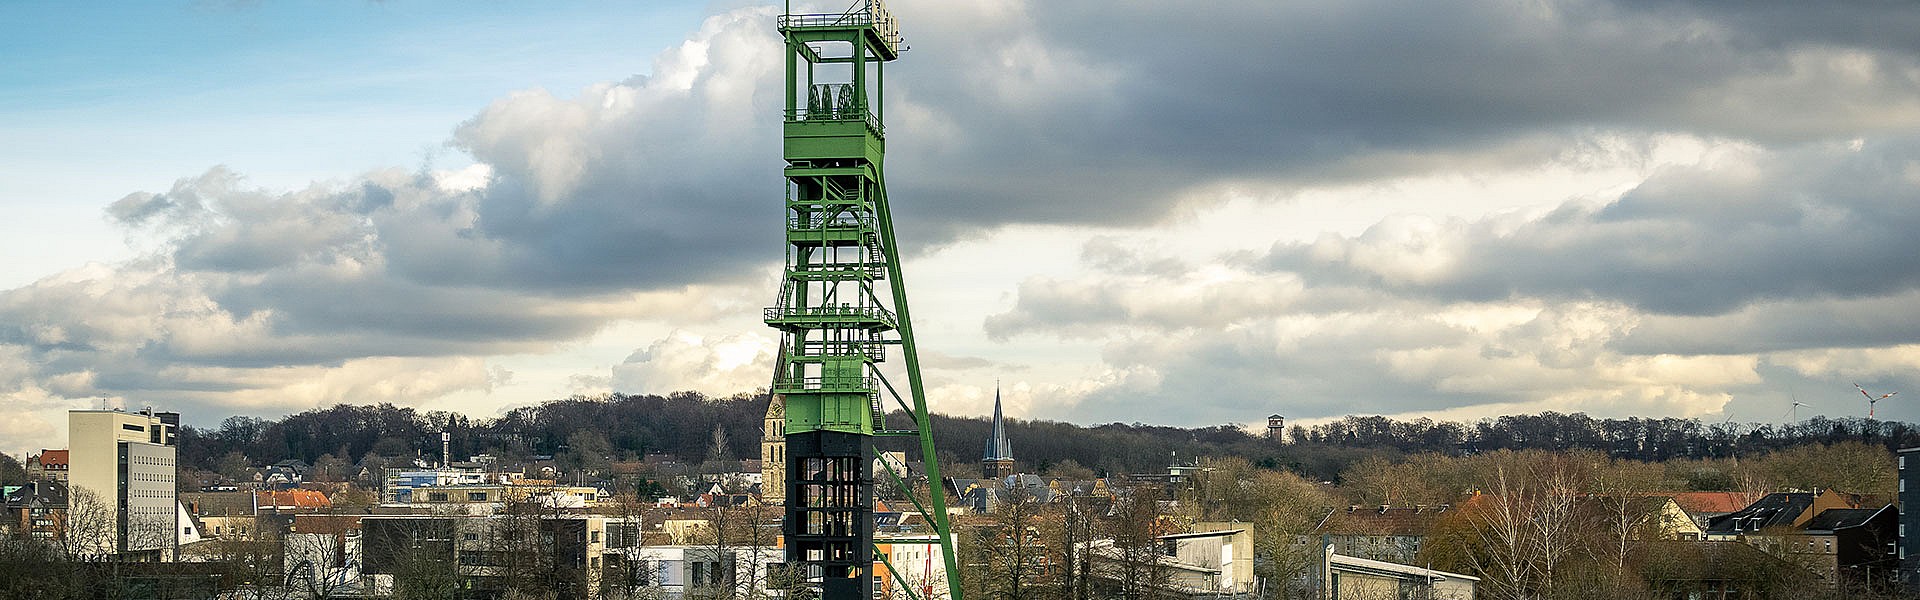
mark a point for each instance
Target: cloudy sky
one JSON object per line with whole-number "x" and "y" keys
{"x": 1173, "y": 213}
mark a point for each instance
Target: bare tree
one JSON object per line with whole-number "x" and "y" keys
{"x": 632, "y": 578}
{"x": 420, "y": 559}
{"x": 31, "y": 568}
{"x": 1627, "y": 519}
{"x": 88, "y": 534}
{"x": 1008, "y": 556}
{"x": 1279, "y": 508}
{"x": 628, "y": 576}
{"x": 736, "y": 544}
{"x": 1136, "y": 568}
{"x": 1068, "y": 532}
{"x": 1526, "y": 528}
{"x": 520, "y": 548}
{"x": 316, "y": 564}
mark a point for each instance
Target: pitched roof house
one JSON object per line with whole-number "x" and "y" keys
{"x": 1389, "y": 533}
{"x": 1837, "y": 534}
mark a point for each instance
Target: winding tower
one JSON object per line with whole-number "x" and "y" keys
{"x": 842, "y": 304}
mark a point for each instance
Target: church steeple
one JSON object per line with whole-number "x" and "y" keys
{"x": 998, "y": 461}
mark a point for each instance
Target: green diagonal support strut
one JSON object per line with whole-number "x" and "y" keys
{"x": 936, "y": 493}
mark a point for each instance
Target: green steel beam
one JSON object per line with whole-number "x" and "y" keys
{"x": 937, "y": 495}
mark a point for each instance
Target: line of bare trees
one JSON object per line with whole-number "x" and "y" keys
{"x": 1077, "y": 548}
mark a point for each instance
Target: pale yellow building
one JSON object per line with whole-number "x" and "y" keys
{"x": 132, "y": 512}
{"x": 773, "y": 452}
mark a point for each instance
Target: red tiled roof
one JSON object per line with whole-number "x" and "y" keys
{"x": 1711, "y": 502}
{"x": 293, "y": 498}
{"x": 53, "y": 457}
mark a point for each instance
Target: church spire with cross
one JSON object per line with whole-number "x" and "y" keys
{"x": 998, "y": 461}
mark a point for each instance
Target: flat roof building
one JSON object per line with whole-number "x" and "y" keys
{"x": 121, "y": 476}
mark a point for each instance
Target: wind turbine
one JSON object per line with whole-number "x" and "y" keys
{"x": 1872, "y": 400}
{"x": 1793, "y": 412}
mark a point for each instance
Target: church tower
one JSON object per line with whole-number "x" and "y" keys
{"x": 773, "y": 452}
{"x": 998, "y": 461}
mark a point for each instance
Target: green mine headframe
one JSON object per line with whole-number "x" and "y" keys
{"x": 835, "y": 318}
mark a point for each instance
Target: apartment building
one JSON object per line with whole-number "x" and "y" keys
{"x": 121, "y": 477}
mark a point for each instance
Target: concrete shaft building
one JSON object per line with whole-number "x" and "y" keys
{"x": 121, "y": 473}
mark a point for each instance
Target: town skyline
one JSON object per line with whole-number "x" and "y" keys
{"x": 1171, "y": 215}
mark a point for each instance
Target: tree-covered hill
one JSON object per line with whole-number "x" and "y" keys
{"x": 583, "y": 432}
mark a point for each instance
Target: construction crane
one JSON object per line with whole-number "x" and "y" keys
{"x": 842, "y": 307}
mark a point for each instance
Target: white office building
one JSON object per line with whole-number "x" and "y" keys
{"x": 125, "y": 462}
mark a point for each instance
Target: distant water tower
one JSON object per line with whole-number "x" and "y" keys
{"x": 1276, "y": 428}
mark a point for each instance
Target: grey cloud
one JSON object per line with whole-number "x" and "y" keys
{"x": 1184, "y": 94}
{"x": 1815, "y": 222}
{"x": 629, "y": 188}
{"x": 1057, "y": 115}
{"x": 1243, "y": 373}
{"x": 1871, "y": 24}
{"x": 1061, "y": 308}
{"x": 137, "y": 208}
{"x": 1125, "y": 290}
{"x": 1066, "y": 112}
{"x": 1878, "y": 321}
{"x": 934, "y": 360}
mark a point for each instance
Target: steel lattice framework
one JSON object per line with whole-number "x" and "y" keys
{"x": 842, "y": 304}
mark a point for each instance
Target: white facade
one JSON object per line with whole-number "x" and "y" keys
{"x": 688, "y": 571}
{"x": 126, "y": 461}
{"x": 1352, "y": 578}
{"x": 1218, "y": 559}
{"x": 918, "y": 563}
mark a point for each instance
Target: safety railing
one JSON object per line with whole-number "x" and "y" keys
{"x": 838, "y": 115}
{"x": 835, "y": 221}
{"x": 836, "y": 312}
{"x": 872, "y": 14}
{"x": 873, "y": 350}
{"x": 850, "y": 385}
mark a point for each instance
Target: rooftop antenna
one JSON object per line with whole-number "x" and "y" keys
{"x": 1872, "y": 400}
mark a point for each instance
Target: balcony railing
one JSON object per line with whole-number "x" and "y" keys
{"x": 869, "y": 14}
{"x": 872, "y": 315}
{"x": 850, "y": 385}
{"x": 838, "y": 115}
{"x": 874, "y": 350}
{"x": 821, "y": 220}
